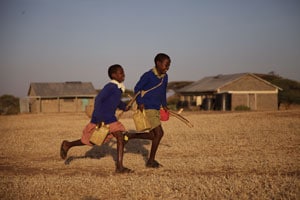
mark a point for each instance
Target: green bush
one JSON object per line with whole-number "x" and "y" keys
{"x": 9, "y": 105}
{"x": 290, "y": 93}
{"x": 242, "y": 108}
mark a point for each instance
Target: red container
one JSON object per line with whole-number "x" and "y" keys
{"x": 164, "y": 115}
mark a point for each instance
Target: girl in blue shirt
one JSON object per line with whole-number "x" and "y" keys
{"x": 106, "y": 104}
{"x": 156, "y": 80}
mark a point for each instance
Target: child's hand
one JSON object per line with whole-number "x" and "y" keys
{"x": 141, "y": 107}
{"x": 127, "y": 108}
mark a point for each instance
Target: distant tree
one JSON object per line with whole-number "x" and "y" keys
{"x": 290, "y": 93}
{"x": 9, "y": 105}
{"x": 273, "y": 73}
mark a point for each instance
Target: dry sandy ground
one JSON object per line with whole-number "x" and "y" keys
{"x": 231, "y": 155}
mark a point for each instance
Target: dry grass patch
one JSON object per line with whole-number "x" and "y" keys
{"x": 251, "y": 155}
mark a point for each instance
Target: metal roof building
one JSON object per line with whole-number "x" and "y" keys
{"x": 60, "y": 97}
{"x": 226, "y": 92}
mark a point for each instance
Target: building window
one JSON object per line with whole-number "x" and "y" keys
{"x": 69, "y": 100}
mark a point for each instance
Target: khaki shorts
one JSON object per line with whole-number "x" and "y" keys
{"x": 154, "y": 117}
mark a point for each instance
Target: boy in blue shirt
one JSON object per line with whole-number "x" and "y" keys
{"x": 155, "y": 81}
{"x": 106, "y": 103}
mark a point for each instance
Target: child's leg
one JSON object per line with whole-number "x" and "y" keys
{"x": 143, "y": 135}
{"x": 158, "y": 134}
{"x": 85, "y": 140}
{"x": 155, "y": 135}
{"x": 117, "y": 129}
{"x": 66, "y": 145}
{"x": 120, "y": 153}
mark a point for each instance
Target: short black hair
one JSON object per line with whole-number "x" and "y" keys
{"x": 113, "y": 69}
{"x": 160, "y": 57}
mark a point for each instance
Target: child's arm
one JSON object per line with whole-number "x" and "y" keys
{"x": 164, "y": 96}
{"x": 122, "y": 106}
{"x": 139, "y": 87}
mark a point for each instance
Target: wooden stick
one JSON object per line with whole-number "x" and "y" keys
{"x": 183, "y": 119}
{"x": 129, "y": 104}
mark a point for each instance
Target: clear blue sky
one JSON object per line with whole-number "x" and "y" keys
{"x": 77, "y": 40}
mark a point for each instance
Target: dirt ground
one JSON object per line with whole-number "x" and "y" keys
{"x": 227, "y": 155}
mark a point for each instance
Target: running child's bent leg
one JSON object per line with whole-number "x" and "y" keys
{"x": 66, "y": 145}
{"x": 143, "y": 135}
{"x": 85, "y": 140}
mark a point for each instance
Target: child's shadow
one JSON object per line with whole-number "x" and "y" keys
{"x": 136, "y": 146}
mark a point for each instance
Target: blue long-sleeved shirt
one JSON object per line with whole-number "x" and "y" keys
{"x": 106, "y": 103}
{"x": 155, "y": 98}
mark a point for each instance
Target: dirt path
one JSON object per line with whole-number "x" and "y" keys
{"x": 251, "y": 155}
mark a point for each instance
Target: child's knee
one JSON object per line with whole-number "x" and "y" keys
{"x": 159, "y": 132}
{"x": 117, "y": 134}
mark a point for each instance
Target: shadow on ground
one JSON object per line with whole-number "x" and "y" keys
{"x": 136, "y": 146}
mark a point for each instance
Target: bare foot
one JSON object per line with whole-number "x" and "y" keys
{"x": 64, "y": 149}
{"x": 153, "y": 164}
{"x": 124, "y": 170}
